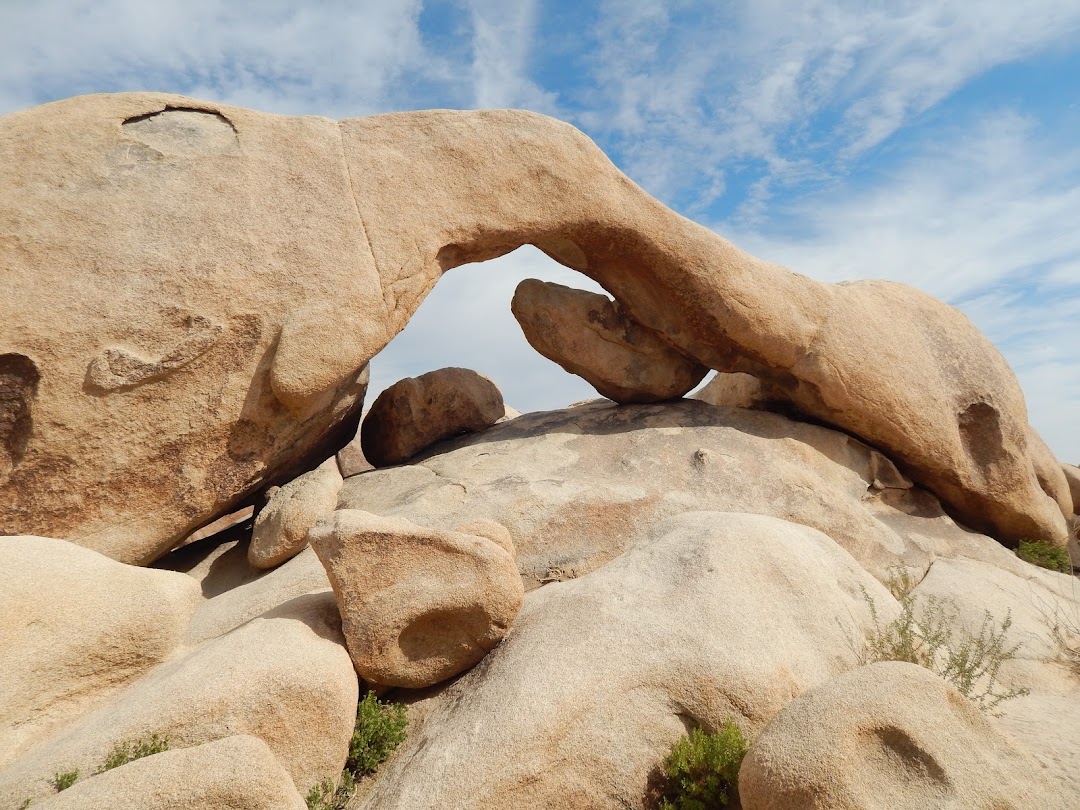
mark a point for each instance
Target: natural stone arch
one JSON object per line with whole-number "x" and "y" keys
{"x": 302, "y": 245}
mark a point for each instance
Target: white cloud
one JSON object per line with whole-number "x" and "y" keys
{"x": 704, "y": 86}
{"x": 335, "y": 58}
{"x": 985, "y": 222}
{"x": 503, "y": 35}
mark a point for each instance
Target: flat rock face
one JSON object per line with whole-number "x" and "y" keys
{"x": 418, "y": 605}
{"x": 414, "y": 413}
{"x": 577, "y": 487}
{"x": 888, "y": 735}
{"x": 588, "y": 335}
{"x": 234, "y": 773}
{"x": 602, "y": 674}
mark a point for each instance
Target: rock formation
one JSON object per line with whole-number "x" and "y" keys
{"x": 194, "y": 291}
{"x": 282, "y": 526}
{"x": 888, "y": 735}
{"x": 414, "y": 413}
{"x": 588, "y": 335}
{"x": 417, "y": 605}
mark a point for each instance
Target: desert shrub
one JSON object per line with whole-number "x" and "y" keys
{"x": 131, "y": 750}
{"x": 926, "y": 635}
{"x": 1045, "y": 555}
{"x": 26, "y": 803}
{"x": 380, "y": 728}
{"x": 324, "y": 796}
{"x": 62, "y": 781}
{"x": 702, "y": 770}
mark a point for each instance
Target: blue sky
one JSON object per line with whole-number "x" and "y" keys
{"x": 933, "y": 144}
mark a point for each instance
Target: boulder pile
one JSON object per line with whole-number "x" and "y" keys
{"x": 815, "y": 548}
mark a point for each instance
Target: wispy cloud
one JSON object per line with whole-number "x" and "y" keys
{"x": 334, "y": 58}
{"x": 503, "y": 37}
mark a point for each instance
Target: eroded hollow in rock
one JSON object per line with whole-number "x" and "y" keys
{"x": 19, "y": 378}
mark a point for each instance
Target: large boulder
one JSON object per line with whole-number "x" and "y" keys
{"x": 589, "y": 335}
{"x": 414, "y": 413}
{"x": 282, "y": 525}
{"x": 717, "y": 617}
{"x": 193, "y": 291}
{"x": 889, "y": 735}
{"x": 172, "y": 270}
{"x": 234, "y": 773}
{"x": 418, "y": 605}
{"x": 577, "y": 487}
{"x": 75, "y": 627}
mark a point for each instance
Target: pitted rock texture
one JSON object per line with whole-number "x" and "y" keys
{"x": 884, "y": 736}
{"x": 317, "y": 244}
{"x": 418, "y": 605}
{"x": 282, "y": 526}
{"x": 415, "y": 413}
{"x": 588, "y": 335}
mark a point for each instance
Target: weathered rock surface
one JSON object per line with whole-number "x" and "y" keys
{"x": 590, "y": 336}
{"x": 1051, "y": 474}
{"x": 601, "y": 675}
{"x": 151, "y": 266}
{"x": 577, "y": 487}
{"x": 418, "y": 605}
{"x": 234, "y": 773}
{"x": 284, "y": 677}
{"x": 282, "y": 525}
{"x": 155, "y": 355}
{"x": 738, "y": 390}
{"x": 76, "y": 626}
{"x": 414, "y": 413}
{"x": 1072, "y": 477}
{"x": 884, "y": 736}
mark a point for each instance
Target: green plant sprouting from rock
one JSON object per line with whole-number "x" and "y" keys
{"x": 926, "y": 634}
{"x": 380, "y": 728}
{"x": 702, "y": 770}
{"x": 1044, "y": 555}
{"x": 62, "y": 781}
{"x": 131, "y": 750}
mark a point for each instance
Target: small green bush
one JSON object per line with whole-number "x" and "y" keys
{"x": 324, "y": 796}
{"x": 25, "y": 803}
{"x": 970, "y": 662}
{"x": 380, "y": 728}
{"x": 702, "y": 770}
{"x": 1045, "y": 555}
{"x": 62, "y": 781}
{"x": 125, "y": 752}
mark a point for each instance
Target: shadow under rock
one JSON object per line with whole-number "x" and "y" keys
{"x": 219, "y": 562}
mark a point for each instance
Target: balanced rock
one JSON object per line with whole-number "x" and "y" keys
{"x": 883, "y": 736}
{"x": 234, "y": 773}
{"x": 414, "y": 413}
{"x": 589, "y": 335}
{"x": 282, "y": 526}
{"x": 76, "y": 626}
{"x": 418, "y": 605}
